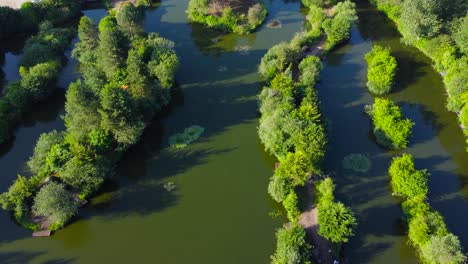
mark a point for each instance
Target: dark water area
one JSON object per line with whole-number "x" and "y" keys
{"x": 218, "y": 212}
{"x": 437, "y": 143}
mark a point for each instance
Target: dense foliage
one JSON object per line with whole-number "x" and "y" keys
{"x": 339, "y": 25}
{"x": 381, "y": 70}
{"x": 292, "y": 129}
{"x": 439, "y": 28}
{"x": 31, "y": 15}
{"x": 39, "y": 69}
{"x": 220, "y": 15}
{"x": 426, "y": 228}
{"x": 391, "y": 129}
{"x": 291, "y": 246}
{"x": 336, "y": 221}
{"x": 127, "y": 80}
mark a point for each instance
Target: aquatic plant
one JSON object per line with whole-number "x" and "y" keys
{"x": 169, "y": 186}
{"x": 357, "y": 163}
{"x": 190, "y": 134}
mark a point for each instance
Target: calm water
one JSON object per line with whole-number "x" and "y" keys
{"x": 218, "y": 212}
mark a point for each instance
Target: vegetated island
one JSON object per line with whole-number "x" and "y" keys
{"x": 381, "y": 70}
{"x": 43, "y": 55}
{"x": 128, "y": 75}
{"x": 238, "y": 16}
{"x": 391, "y": 129}
{"x": 439, "y": 28}
{"x": 291, "y": 128}
{"x": 427, "y": 230}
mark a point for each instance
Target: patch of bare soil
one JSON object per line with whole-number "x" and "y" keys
{"x": 12, "y": 3}
{"x": 216, "y": 7}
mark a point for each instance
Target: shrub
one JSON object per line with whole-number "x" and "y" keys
{"x": 83, "y": 175}
{"x": 295, "y": 166}
{"x": 17, "y": 194}
{"x": 311, "y": 3}
{"x": 290, "y": 203}
{"x": 325, "y": 189}
{"x": 423, "y": 227}
{"x": 337, "y": 28}
{"x": 55, "y": 203}
{"x": 460, "y": 34}
{"x": 276, "y": 60}
{"x": 381, "y": 70}
{"x": 309, "y": 69}
{"x": 336, "y": 222}
{"x": 279, "y": 187}
{"x": 43, "y": 146}
{"x": 405, "y": 179}
{"x": 441, "y": 250}
{"x": 291, "y": 246}
{"x": 390, "y": 128}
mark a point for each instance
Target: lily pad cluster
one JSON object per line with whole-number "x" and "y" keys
{"x": 357, "y": 163}
{"x": 190, "y": 134}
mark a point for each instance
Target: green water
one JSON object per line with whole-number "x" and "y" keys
{"x": 218, "y": 212}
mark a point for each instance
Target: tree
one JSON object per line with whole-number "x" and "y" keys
{"x": 291, "y": 246}
{"x": 337, "y": 28}
{"x": 391, "y": 129}
{"x": 58, "y": 155}
{"x": 43, "y": 146}
{"x": 325, "y": 189}
{"x": 83, "y": 175}
{"x": 443, "y": 250}
{"x": 55, "y": 203}
{"x": 290, "y": 203}
{"x": 113, "y": 46}
{"x": 381, "y": 70}
{"x": 81, "y": 111}
{"x": 39, "y": 80}
{"x": 10, "y": 22}
{"x": 279, "y": 188}
{"x": 336, "y": 222}
{"x": 420, "y": 19}
{"x": 296, "y": 166}
{"x": 405, "y": 179}
{"x": 88, "y": 34}
{"x": 424, "y": 226}
{"x": 309, "y": 69}
{"x": 460, "y": 34}
{"x": 17, "y": 194}
{"x": 130, "y": 19}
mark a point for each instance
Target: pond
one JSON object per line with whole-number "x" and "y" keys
{"x": 217, "y": 211}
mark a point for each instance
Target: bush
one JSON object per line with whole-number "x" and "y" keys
{"x": 381, "y": 70}
{"x": 460, "y": 34}
{"x": 423, "y": 227}
{"x": 311, "y": 3}
{"x": 291, "y": 246}
{"x": 337, "y": 28}
{"x": 279, "y": 187}
{"x": 18, "y": 193}
{"x": 58, "y": 155}
{"x": 325, "y": 189}
{"x": 390, "y": 128}
{"x": 229, "y": 20}
{"x": 405, "y": 179}
{"x": 43, "y": 146}
{"x": 290, "y": 203}
{"x": 276, "y": 60}
{"x": 441, "y": 250}
{"x": 55, "y": 203}
{"x": 296, "y": 166}
{"x": 83, "y": 175}
{"x": 309, "y": 69}
{"x": 336, "y": 222}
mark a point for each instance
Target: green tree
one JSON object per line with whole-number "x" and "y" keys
{"x": 338, "y": 27}
{"x": 43, "y": 146}
{"x": 391, "y": 129}
{"x": 443, "y": 250}
{"x": 405, "y": 179}
{"x": 336, "y": 222}
{"x": 58, "y": 155}
{"x": 55, "y": 203}
{"x": 460, "y": 34}
{"x": 17, "y": 194}
{"x": 309, "y": 69}
{"x": 381, "y": 70}
{"x": 325, "y": 189}
{"x": 81, "y": 111}
{"x": 85, "y": 50}
{"x": 290, "y": 203}
{"x": 295, "y": 166}
{"x": 420, "y": 19}
{"x": 291, "y": 246}
{"x": 424, "y": 226}
{"x": 130, "y": 19}
{"x": 279, "y": 187}
{"x": 113, "y": 46}
{"x": 83, "y": 175}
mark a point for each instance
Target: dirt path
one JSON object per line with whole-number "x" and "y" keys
{"x": 319, "y": 47}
